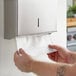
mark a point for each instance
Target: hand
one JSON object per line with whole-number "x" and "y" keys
{"x": 23, "y": 61}
{"x": 61, "y": 54}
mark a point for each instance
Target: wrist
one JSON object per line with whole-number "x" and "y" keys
{"x": 73, "y": 57}
{"x": 31, "y": 65}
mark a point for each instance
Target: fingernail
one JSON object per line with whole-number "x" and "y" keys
{"x": 17, "y": 52}
{"x": 20, "y": 49}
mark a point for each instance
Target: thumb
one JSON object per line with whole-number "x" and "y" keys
{"x": 62, "y": 51}
{"x": 56, "y": 47}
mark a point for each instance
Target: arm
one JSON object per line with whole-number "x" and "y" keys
{"x": 53, "y": 69}
{"x": 26, "y": 64}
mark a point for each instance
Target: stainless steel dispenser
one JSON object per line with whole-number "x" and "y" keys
{"x": 28, "y": 17}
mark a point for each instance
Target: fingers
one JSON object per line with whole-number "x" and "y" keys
{"x": 61, "y": 51}
{"x": 16, "y": 55}
{"x": 21, "y": 51}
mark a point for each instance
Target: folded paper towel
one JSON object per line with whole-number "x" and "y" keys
{"x": 34, "y": 45}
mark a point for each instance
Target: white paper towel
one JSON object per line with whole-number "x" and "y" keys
{"x": 34, "y": 45}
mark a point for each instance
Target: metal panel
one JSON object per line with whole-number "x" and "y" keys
{"x": 10, "y": 18}
{"x": 25, "y": 17}
{"x": 37, "y": 16}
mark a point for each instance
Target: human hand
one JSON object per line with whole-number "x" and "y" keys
{"x": 23, "y": 61}
{"x": 60, "y": 55}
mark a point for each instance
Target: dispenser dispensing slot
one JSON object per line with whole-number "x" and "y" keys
{"x": 38, "y": 22}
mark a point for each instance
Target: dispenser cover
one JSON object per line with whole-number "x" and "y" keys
{"x": 26, "y": 17}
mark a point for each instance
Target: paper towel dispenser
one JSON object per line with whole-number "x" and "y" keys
{"x": 28, "y": 17}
